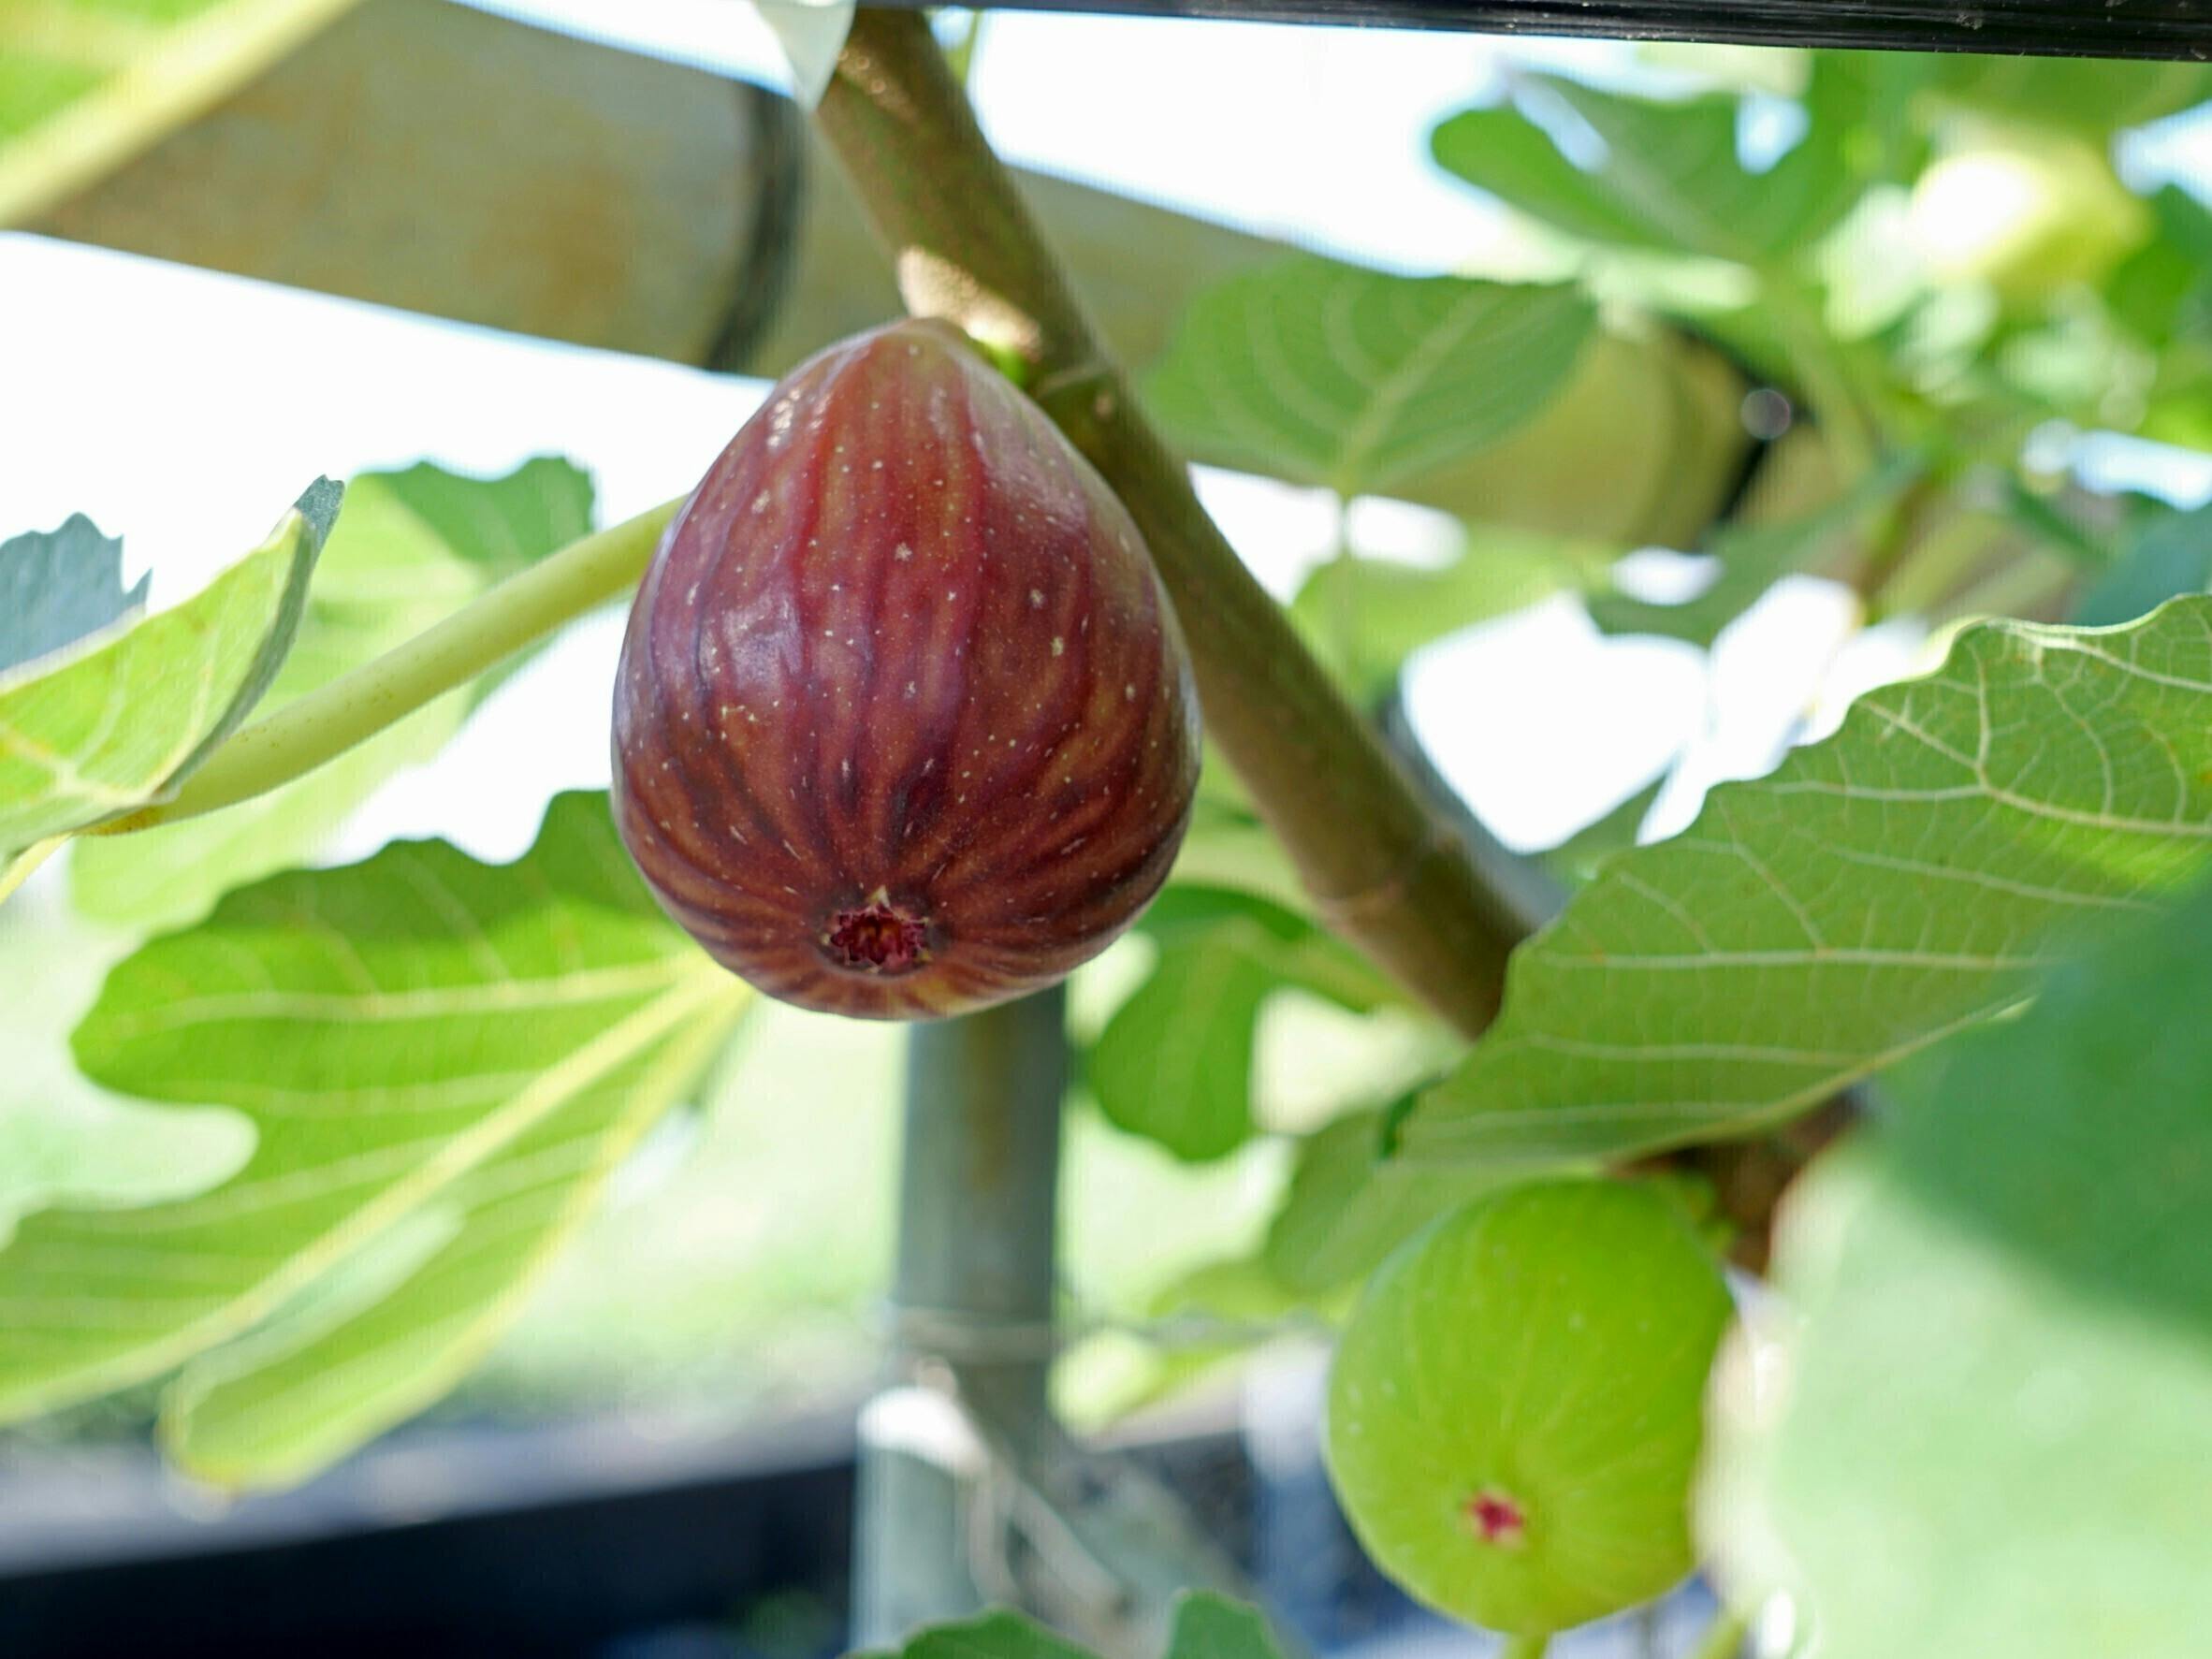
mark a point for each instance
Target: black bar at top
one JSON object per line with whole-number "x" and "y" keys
{"x": 2061, "y": 28}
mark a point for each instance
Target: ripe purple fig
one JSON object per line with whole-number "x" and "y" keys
{"x": 904, "y": 725}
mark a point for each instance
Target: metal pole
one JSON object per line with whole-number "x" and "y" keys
{"x": 972, "y": 1300}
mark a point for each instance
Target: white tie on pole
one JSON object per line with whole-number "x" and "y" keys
{"x": 812, "y": 33}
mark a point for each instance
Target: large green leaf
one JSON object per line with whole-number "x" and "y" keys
{"x": 499, "y": 525}
{"x": 120, "y": 719}
{"x": 57, "y": 586}
{"x": 419, "y": 1039}
{"x": 1666, "y": 176}
{"x": 1901, "y": 880}
{"x": 408, "y": 549}
{"x": 1324, "y": 374}
{"x": 64, "y": 1141}
{"x": 1994, "y": 1405}
{"x": 87, "y": 85}
{"x": 1174, "y": 1063}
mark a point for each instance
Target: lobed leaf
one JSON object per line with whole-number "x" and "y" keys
{"x": 1905, "y": 879}
{"x": 419, "y": 1040}
{"x": 63, "y": 1141}
{"x": 58, "y": 587}
{"x": 118, "y": 720}
{"x": 1665, "y": 176}
{"x": 408, "y": 549}
{"x": 1992, "y": 1407}
{"x": 1328, "y": 375}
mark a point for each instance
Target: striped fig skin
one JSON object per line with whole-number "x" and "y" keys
{"x": 904, "y": 725}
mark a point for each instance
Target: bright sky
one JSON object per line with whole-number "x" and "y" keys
{"x": 183, "y": 409}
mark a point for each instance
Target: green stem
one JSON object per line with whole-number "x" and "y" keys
{"x": 1524, "y": 1647}
{"x": 1381, "y": 867}
{"x": 1725, "y": 1637}
{"x": 327, "y": 722}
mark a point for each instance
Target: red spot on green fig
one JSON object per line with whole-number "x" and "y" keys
{"x": 1496, "y": 1519}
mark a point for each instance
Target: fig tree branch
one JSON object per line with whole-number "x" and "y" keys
{"x": 1382, "y": 868}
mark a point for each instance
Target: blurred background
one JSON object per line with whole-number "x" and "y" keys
{"x": 415, "y": 230}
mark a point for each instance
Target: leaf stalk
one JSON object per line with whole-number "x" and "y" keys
{"x": 502, "y": 620}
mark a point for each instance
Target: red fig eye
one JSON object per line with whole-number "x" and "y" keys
{"x": 1496, "y": 1519}
{"x": 876, "y": 936}
{"x": 903, "y": 640}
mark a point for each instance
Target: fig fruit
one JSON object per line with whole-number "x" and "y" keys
{"x": 904, "y": 725}
{"x": 2026, "y": 210}
{"x": 1516, "y": 1405}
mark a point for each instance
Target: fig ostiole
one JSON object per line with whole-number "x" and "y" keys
{"x": 904, "y": 725}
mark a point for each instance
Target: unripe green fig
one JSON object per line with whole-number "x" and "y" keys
{"x": 904, "y": 725}
{"x": 1516, "y": 1405}
{"x": 2025, "y": 209}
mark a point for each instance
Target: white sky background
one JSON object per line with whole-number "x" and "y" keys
{"x": 183, "y": 409}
